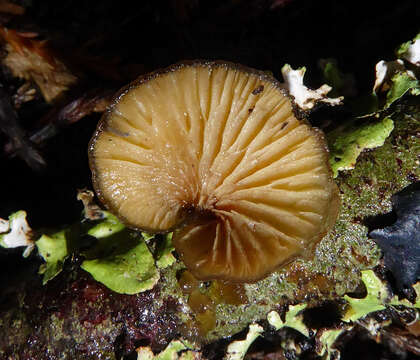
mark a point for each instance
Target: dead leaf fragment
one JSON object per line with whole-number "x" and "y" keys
{"x": 33, "y": 60}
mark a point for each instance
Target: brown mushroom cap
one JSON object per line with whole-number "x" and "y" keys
{"x": 214, "y": 151}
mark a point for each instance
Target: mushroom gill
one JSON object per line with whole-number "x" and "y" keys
{"x": 213, "y": 151}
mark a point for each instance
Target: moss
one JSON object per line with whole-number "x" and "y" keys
{"x": 75, "y": 317}
{"x": 366, "y": 191}
{"x": 340, "y": 256}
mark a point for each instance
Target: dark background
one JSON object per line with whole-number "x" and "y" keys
{"x": 154, "y": 34}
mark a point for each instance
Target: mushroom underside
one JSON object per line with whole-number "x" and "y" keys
{"x": 214, "y": 152}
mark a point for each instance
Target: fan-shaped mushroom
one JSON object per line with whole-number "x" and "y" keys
{"x": 213, "y": 151}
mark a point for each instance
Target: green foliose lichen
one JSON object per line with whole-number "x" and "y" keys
{"x": 129, "y": 273}
{"x": 237, "y": 349}
{"x": 164, "y": 256}
{"x": 176, "y": 350}
{"x": 292, "y": 319}
{"x": 53, "y": 248}
{"x": 346, "y": 143}
{"x": 402, "y": 82}
{"x": 373, "y": 301}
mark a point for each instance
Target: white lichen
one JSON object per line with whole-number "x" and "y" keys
{"x": 384, "y": 71}
{"x": 16, "y": 232}
{"x": 412, "y": 54}
{"x": 394, "y": 80}
{"x": 304, "y": 97}
{"x": 4, "y": 226}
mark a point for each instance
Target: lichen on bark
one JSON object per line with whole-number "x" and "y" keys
{"x": 74, "y": 316}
